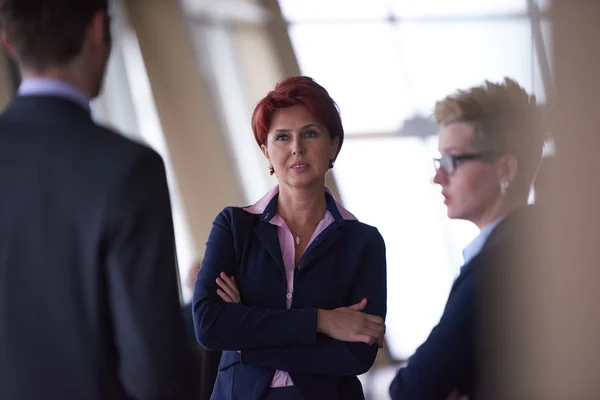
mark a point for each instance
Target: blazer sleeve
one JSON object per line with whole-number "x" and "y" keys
{"x": 329, "y": 356}
{"x": 444, "y": 361}
{"x": 142, "y": 282}
{"x": 234, "y": 326}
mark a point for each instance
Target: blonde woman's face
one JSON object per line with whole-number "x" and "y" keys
{"x": 468, "y": 177}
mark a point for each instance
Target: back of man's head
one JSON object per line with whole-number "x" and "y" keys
{"x": 47, "y": 33}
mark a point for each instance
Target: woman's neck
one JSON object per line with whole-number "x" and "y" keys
{"x": 301, "y": 207}
{"x": 499, "y": 210}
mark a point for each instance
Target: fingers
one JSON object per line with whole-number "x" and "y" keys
{"x": 456, "y": 396}
{"x": 359, "y": 306}
{"x": 229, "y": 281}
{"x": 370, "y": 340}
{"x": 375, "y": 319}
{"x": 365, "y": 339}
{"x": 377, "y": 333}
{"x": 362, "y": 329}
{"x": 225, "y": 296}
{"x": 360, "y": 326}
{"x": 226, "y": 289}
{"x": 229, "y": 287}
{"x": 371, "y": 330}
{"x": 376, "y": 327}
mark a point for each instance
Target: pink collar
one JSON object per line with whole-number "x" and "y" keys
{"x": 260, "y": 206}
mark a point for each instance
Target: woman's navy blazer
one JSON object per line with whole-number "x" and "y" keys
{"x": 343, "y": 265}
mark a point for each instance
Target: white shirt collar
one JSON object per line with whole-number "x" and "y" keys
{"x": 54, "y": 87}
{"x": 476, "y": 245}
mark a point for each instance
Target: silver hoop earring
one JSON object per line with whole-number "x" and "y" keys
{"x": 503, "y": 186}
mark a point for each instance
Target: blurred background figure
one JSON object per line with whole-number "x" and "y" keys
{"x": 89, "y": 305}
{"x": 490, "y": 141}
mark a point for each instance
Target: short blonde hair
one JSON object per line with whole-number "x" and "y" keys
{"x": 506, "y": 119}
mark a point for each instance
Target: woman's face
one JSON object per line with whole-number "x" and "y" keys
{"x": 298, "y": 147}
{"x": 470, "y": 179}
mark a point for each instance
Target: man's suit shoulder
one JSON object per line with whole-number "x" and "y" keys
{"x": 120, "y": 159}
{"x": 120, "y": 145}
{"x": 112, "y": 151}
{"x": 89, "y": 156}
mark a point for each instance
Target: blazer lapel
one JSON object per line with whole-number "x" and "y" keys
{"x": 267, "y": 234}
{"x": 327, "y": 239}
{"x": 465, "y": 271}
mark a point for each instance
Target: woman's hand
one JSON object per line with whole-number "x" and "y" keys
{"x": 455, "y": 396}
{"x": 350, "y": 324}
{"x": 228, "y": 289}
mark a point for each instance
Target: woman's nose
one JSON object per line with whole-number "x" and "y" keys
{"x": 438, "y": 177}
{"x": 298, "y": 147}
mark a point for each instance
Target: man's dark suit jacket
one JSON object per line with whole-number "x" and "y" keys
{"x": 89, "y": 305}
{"x": 344, "y": 264}
{"x": 449, "y": 359}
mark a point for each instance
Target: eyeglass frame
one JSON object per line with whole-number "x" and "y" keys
{"x": 456, "y": 160}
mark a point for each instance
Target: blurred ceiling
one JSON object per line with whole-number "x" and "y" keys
{"x": 236, "y": 11}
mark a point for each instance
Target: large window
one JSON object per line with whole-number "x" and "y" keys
{"x": 386, "y": 63}
{"x": 128, "y": 105}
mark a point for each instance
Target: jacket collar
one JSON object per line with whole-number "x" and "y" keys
{"x": 506, "y": 228}
{"x": 266, "y": 207}
{"x": 46, "y": 109}
{"x": 54, "y": 87}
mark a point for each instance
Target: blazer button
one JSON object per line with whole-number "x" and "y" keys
{"x": 289, "y": 295}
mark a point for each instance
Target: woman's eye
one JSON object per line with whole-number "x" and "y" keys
{"x": 279, "y": 138}
{"x": 311, "y": 133}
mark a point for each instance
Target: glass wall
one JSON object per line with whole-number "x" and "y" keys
{"x": 386, "y": 63}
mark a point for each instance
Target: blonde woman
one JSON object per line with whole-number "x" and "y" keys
{"x": 490, "y": 142}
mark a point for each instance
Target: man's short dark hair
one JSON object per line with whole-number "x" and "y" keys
{"x": 47, "y": 32}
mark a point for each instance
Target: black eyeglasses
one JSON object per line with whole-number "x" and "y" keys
{"x": 449, "y": 162}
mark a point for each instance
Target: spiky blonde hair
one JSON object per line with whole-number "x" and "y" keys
{"x": 506, "y": 120}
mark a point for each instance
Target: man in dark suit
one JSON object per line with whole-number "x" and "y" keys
{"x": 89, "y": 304}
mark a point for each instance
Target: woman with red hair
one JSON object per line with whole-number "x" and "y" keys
{"x": 293, "y": 288}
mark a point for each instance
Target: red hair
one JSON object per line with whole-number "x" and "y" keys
{"x": 292, "y": 91}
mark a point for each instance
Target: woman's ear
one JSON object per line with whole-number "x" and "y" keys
{"x": 508, "y": 167}
{"x": 335, "y": 143}
{"x": 265, "y": 152}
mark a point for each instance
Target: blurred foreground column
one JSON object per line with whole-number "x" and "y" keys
{"x": 6, "y": 84}
{"x": 544, "y": 341}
